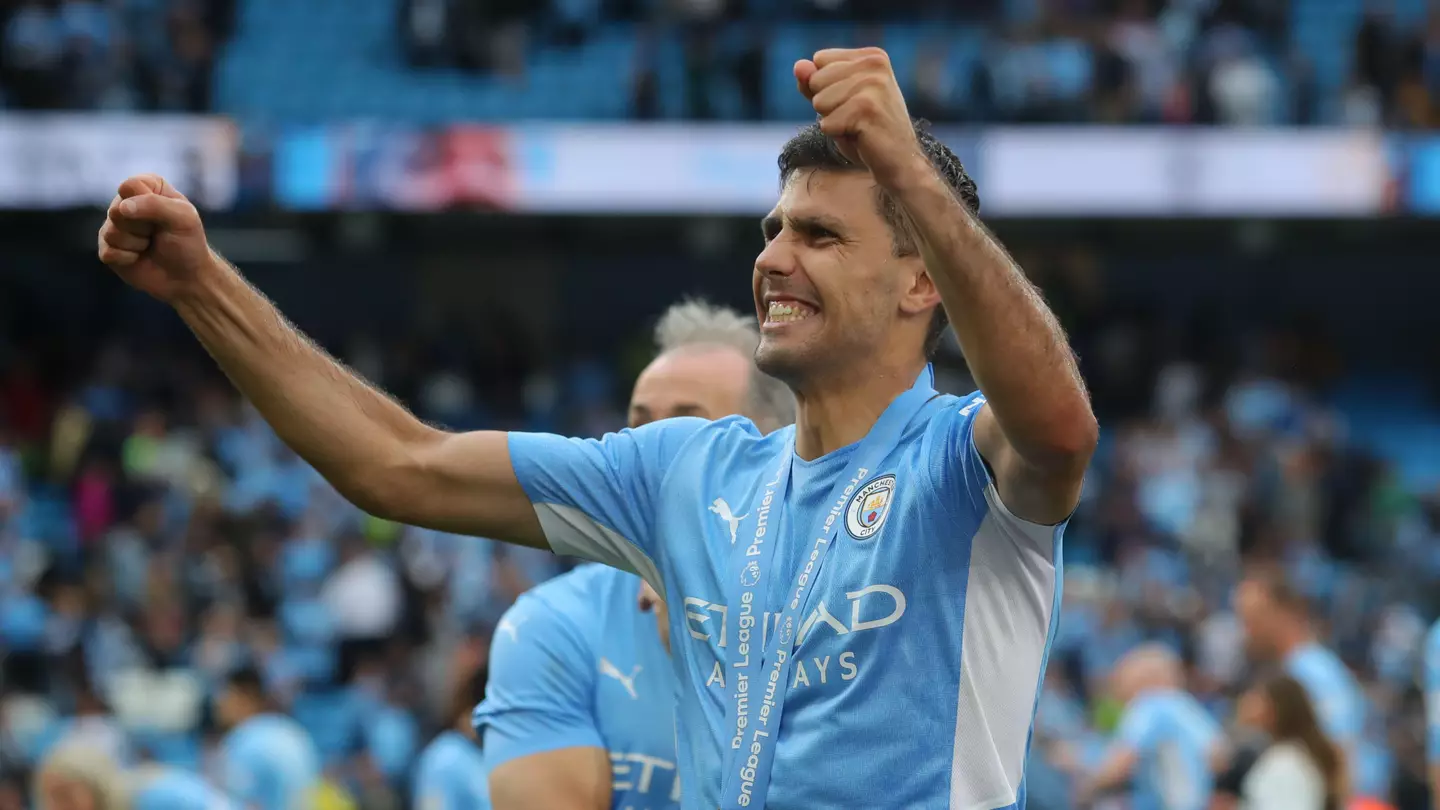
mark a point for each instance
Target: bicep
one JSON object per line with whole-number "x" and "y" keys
{"x": 1044, "y": 495}
{"x": 576, "y": 778}
{"x": 465, "y": 483}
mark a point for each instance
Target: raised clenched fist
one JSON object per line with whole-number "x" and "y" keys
{"x": 860, "y": 105}
{"x": 154, "y": 240}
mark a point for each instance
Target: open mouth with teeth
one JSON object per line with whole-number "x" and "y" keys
{"x": 789, "y": 311}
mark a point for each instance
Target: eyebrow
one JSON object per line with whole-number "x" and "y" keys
{"x": 809, "y": 225}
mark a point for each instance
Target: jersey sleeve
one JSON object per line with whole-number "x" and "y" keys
{"x": 542, "y": 684}
{"x": 963, "y": 481}
{"x": 596, "y": 498}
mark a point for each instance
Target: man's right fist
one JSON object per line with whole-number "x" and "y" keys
{"x": 154, "y": 240}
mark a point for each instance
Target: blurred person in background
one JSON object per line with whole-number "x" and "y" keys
{"x": 81, "y": 778}
{"x": 451, "y": 773}
{"x": 94, "y": 726}
{"x": 579, "y": 713}
{"x": 1300, "y": 768}
{"x": 1278, "y": 631}
{"x": 268, "y": 761}
{"x": 1167, "y": 746}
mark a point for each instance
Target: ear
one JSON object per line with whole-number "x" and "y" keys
{"x": 922, "y": 296}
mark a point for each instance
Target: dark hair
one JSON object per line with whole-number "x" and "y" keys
{"x": 247, "y": 679}
{"x": 811, "y": 148}
{"x": 1295, "y": 721}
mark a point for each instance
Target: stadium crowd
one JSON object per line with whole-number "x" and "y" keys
{"x": 150, "y": 55}
{"x": 156, "y": 539}
{"x": 1135, "y": 61}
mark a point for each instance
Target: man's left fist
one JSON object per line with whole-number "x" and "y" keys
{"x": 861, "y": 107}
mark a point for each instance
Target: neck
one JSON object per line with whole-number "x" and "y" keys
{"x": 835, "y": 413}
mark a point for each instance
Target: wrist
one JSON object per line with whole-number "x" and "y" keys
{"x": 206, "y": 283}
{"x": 912, "y": 174}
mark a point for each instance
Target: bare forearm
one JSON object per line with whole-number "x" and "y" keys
{"x": 566, "y": 779}
{"x": 1015, "y": 347}
{"x": 349, "y": 431}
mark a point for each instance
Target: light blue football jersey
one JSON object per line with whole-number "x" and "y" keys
{"x": 451, "y": 775}
{"x": 923, "y": 642}
{"x": 1338, "y": 701}
{"x": 1174, "y": 738}
{"x": 269, "y": 762}
{"x": 575, "y": 663}
{"x": 1337, "y": 697}
{"x": 164, "y": 788}
{"x": 1431, "y": 677}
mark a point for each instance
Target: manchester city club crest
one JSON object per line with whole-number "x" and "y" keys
{"x": 868, "y": 508}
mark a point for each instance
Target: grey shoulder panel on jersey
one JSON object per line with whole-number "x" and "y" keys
{"x": 573, "y": 533}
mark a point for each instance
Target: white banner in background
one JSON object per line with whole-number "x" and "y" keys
{"x": 622, "y": 168}
{"x": 1134, "y": 172}
{"x": 77, "y": 160}
{"x": 1287, "y": 173}
{"x": 1022, "y": 172}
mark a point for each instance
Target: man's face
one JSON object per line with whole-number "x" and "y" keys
{"x": 828, "y": 286}
{"x": 708, "y": 382}
{"x": 61, "y": 793}
{"x": 230, "y": 707}
{"x": 1258, "y": 615}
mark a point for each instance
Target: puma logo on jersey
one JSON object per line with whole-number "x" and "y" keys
{"x": 509, "y": 626}
{"x": 609, "y": 670}
{"x": 722, "y": 509}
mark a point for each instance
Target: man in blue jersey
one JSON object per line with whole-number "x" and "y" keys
{"x": 884, "y": 576}
{"x": 268, "y": 761}
{"x": 580, "y": 710}
{"x": 451, "y": 773}
{"x": 78, "y": 777}
{"x": 1276, "y": 622}
{"x": 1430, "y": 667}
{"x": 1167, "y": 746}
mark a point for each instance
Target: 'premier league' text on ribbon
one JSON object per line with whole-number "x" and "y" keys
{"x": 747, "y": 613}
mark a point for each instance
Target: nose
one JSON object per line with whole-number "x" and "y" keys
{"x": 777, "y": 259}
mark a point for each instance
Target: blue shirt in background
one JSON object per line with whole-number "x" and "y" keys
{"x": 1173, "y": 737}
{"x": 574, "y": 663}
{"x": 451, "y": 775}
{"x": 270, "y": 763}
{"x": 1339, "y": 704}
{"x": 1431, "y": 668}
{"x": 175, "y": 789}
